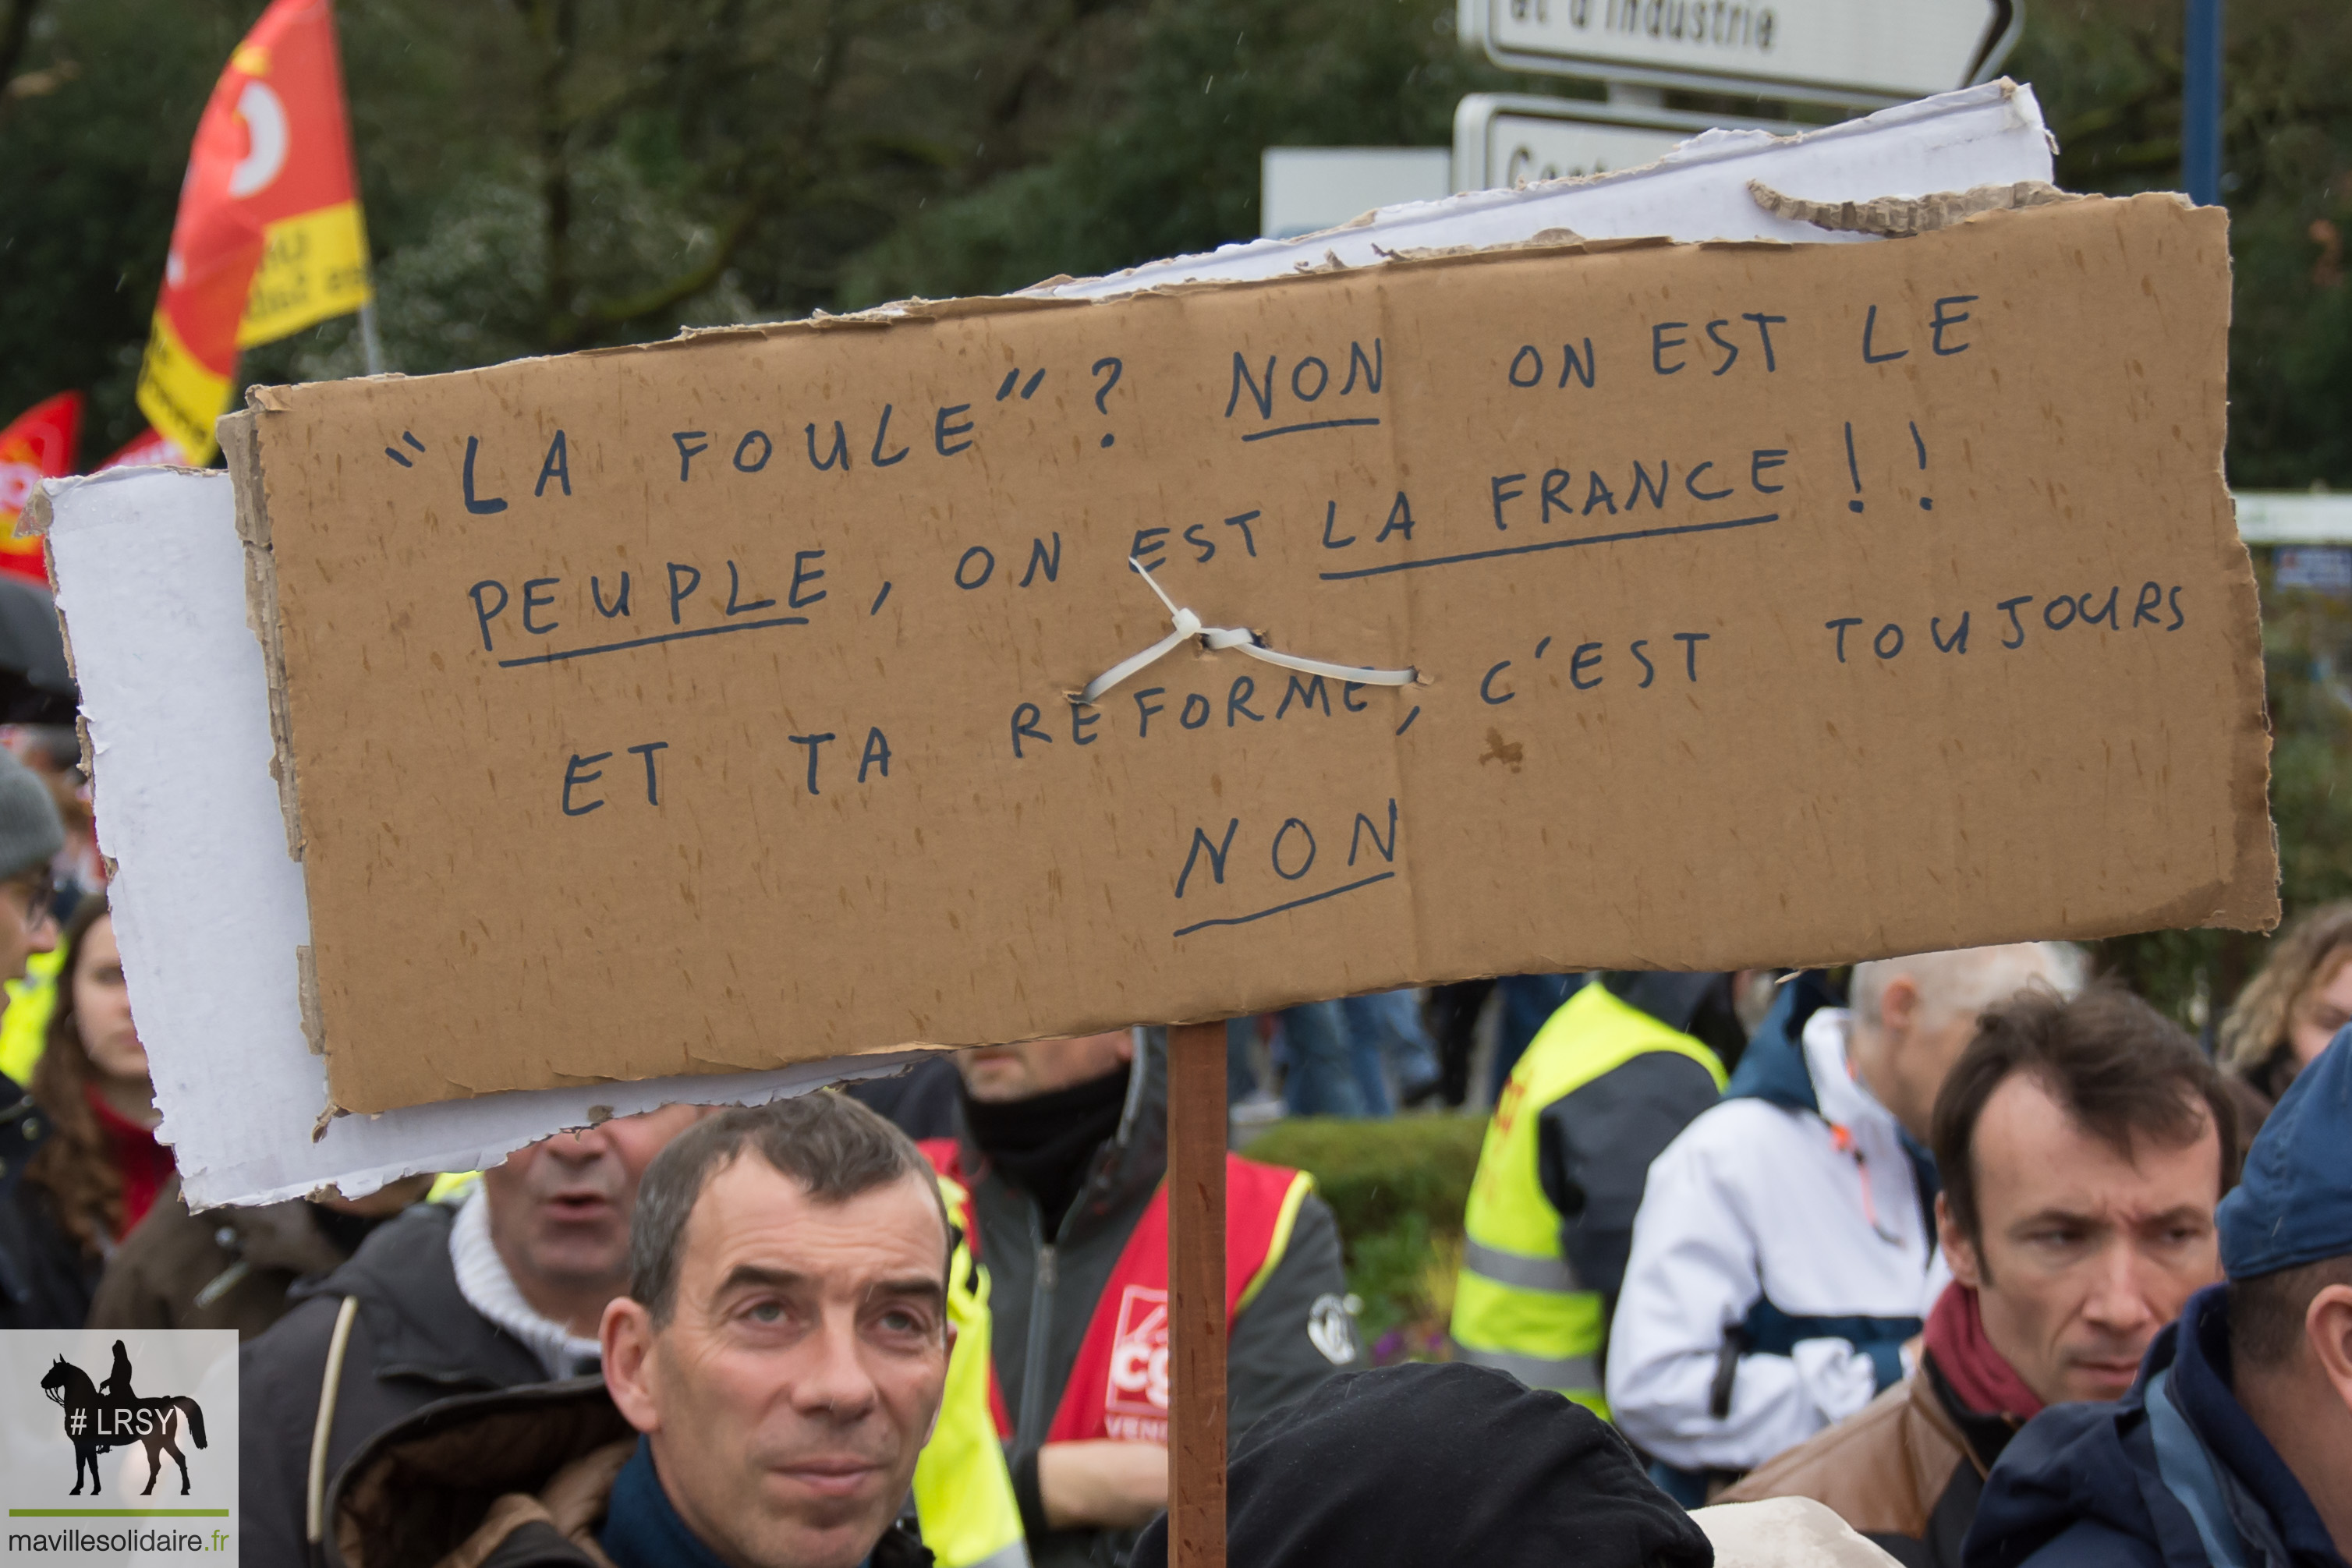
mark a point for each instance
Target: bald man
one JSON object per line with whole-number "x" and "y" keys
{"x": 1784, "y": 1255}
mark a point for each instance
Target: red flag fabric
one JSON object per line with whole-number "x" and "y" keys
{"x": 270, "y": 238}
{"x": 38, "y": 444}
{"x": 148, "y": 447}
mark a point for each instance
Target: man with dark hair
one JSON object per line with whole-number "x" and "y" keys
{"x": 2234, "y": 1445}
{"x": 770, "y": 1380}
{"x": 2083, "y": 1145}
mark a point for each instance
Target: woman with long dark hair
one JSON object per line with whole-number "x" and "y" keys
{"x": 100, "y": 1168}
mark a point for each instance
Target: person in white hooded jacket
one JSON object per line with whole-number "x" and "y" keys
{"x": 1784, "y": 1252}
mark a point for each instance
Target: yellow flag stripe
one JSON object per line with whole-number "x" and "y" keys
{"x": 312, "y": 268}
{"x": 179, "y": 396}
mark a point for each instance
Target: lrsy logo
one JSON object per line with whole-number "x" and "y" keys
{"x": 112, "y": 1416}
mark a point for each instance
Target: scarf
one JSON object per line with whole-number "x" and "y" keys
{"x": 1978, "y": 1375}
{"x": 490, "y": 1289}
{"x": 143, "y": 1164}
{"x": 641, "y": 1529}
{"x": 1043, "y": 1145}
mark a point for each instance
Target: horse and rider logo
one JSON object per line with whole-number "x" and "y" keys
{"x": 111, "y": 1416}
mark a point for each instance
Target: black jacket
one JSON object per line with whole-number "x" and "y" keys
{"x": 415, "y": 1340}
{"x": 1042, "y": 1293}
{"x": 475, "y": 1472}
{"x": 46, "y": 1278}
{"x": 1441, "y": 1465}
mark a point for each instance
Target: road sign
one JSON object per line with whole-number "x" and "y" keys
{"x": 1502, "y": 140}
{"x": 1833, "y": 51}
{"x": 1304, "y": 190}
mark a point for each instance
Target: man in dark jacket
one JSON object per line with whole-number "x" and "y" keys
{"x": 501, "y": 1289}
{"x": 1063, "y": 1149}
{"x": 2235, "y": 1446}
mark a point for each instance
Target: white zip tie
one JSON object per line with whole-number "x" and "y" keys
{"x": 1188, "y": 626}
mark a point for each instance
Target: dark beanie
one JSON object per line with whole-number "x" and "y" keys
{"x": 1442, "y": 1464}
{"x": 30, "y": 832}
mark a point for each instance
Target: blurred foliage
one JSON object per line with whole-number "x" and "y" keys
{"x": 548, "y": 174}
{"x": 1398, "y": 1188}
{"x": 1374, "y": 1173}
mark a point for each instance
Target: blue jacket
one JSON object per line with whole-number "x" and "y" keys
{"x": 2174, "y": 1475}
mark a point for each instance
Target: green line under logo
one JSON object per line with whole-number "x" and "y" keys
{"x": 117, "y": 1513}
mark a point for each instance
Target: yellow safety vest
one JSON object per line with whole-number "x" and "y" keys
{"x": 25, "y": 1028}
{"x": 963, "y": 1488}
{"x": 1518, "y": 1303}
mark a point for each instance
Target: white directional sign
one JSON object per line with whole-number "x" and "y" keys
{"x": 1837, "y": 51}
{"x": 1502, "y": 140}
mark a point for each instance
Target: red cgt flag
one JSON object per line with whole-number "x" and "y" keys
{"x": 38, "y": 444}
{"x": 269, "y": 238}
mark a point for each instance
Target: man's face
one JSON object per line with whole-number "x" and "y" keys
{"x": 999, "y": 1072}
{"x": 26, "y": 926}
{"x": 801, "y": 1368}
{"x": 559, "y": 1209}
{"x": 2085, "y": 1253}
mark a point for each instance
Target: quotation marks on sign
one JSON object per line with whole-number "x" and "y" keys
{"x": 1028, "y": 388}
{"x": 401, "y": 458}
{"x": 1103, "y": 391}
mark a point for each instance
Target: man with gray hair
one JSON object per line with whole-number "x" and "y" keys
{"x": 769, "y": 1382}
{"x": 1784, "y": 1254}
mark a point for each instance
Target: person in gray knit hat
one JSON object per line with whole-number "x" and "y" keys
{"x": 30, "y": 835}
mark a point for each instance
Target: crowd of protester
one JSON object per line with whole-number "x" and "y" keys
{"x": 1962, "y": 1259}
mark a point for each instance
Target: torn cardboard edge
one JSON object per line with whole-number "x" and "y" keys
{"x": 240, "y": 447}
{"x": 1907, "y": 218}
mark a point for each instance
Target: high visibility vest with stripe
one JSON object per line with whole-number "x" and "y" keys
{"x": 1118, "y": 1385}
{"x": 964, "y": 1501}
{"x": 1518, "y": 1303}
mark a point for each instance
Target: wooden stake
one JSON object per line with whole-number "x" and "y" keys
{"x": 1196, "y": 1295}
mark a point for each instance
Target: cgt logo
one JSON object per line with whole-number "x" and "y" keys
{"x": 1135, "y": 1401}
{"x": 112, "y": 1416}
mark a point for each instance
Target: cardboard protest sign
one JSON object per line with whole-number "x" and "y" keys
{"x": 705, "y": 707}
{"x": 212, "y": 910}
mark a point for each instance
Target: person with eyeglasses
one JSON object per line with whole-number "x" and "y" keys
{"x": 34, "y": 1292}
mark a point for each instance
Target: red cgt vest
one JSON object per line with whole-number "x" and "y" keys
{"x": 1118, "y": 1387}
